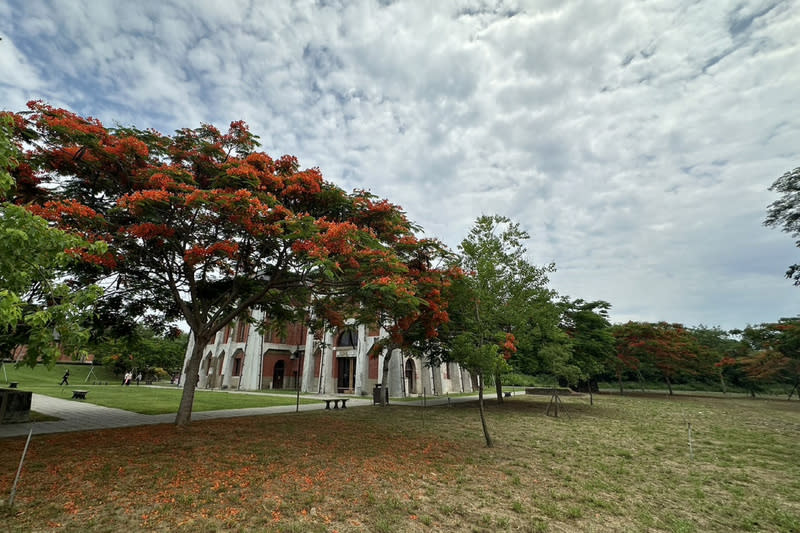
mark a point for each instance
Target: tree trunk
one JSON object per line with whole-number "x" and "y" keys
{"x": 385, "y": 376}
{"x": 184, "y": 415}
{"x": 791, "y": 392}
{"x": 619, "y": 379}
{"x": 722, "y": 382}
{"x": 591, "y": 395}
{"x": 489, "y": 443}
{"x": 498, "y": 385}
{"x": 640, "y": 377}
{"x": 669, "y": 384}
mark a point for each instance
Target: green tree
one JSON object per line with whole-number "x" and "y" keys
{"x": 589, "y": 331}
{"x": 785, "y": 212}
{"x": 144, "y": 350}
{"x": 716, "y": 349}
{"x": 770, "y": 354}
{"x": 788, "y": 344}
{"x": 493, "y": 303}
{"x": 37, "y": 309}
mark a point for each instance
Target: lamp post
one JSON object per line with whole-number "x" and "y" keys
{"x": 297, "y": 355}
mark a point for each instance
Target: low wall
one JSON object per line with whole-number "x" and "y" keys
{"x": 564, "y": 391}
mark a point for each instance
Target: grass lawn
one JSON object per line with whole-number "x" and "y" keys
{"x": 106, "y": 389}
{"x": 621, "y": 465}
{"x": 28, "y": 377}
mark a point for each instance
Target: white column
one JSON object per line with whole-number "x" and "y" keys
{"x": 308, "y": 379}
{"x": 325, "y": 381}
{"x": 362, "y": 362}
{"x": 227, "y": 368}
{"x": 438, "y": 382}
{"x": 396, "y": 377}
{"x": 251, "y": 363}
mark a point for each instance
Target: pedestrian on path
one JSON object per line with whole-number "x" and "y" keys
{"x": 65, "y": 379}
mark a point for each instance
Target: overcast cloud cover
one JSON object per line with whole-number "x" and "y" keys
{"x": 635, "y": 141}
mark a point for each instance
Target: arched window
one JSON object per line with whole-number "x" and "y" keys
{"x": 348, "y": 337}
{"x": 411, "y": 377}
{"x": 238, "y": 359}
{"x": 241, "y": 331}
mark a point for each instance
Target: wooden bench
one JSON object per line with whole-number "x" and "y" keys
{"x": 335, "y": 402}
{"x": 79, "y": 394}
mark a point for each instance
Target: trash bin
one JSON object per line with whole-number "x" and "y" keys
{"x": 376, "y": 394}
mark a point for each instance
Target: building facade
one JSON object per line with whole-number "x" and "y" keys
{"x": 241, "y": 358}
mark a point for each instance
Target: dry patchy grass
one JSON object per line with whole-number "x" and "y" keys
{"x": 621, "y": 465}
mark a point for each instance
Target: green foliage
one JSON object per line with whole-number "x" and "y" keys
{"x": 785, "y": 212}
{"x": 8, "y": 157}
{"x": 589, "y": 331}
{"x": 501, "y": 296}
{"x": 143, "y": 350}
{"x": 502, "y": 308}
{"x": 520, "y": 380}
{"x": 716, "y": 351}
{"x": 36, "y": 310}
{"x": 768, "y": 354}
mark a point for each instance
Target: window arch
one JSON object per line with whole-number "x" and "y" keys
{"x": 411, "y": 376}
{"x": 348, "y": 337}
{"x": 238, "y": 363}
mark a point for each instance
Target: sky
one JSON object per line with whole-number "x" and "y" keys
{"x": 634, "y": 141}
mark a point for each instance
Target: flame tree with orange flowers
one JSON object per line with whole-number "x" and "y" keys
{"x": 37, "y": 309}
{"x": 199, "y": 226}
{"x": 669, "y": 348}
{"x": 411, "y": 304}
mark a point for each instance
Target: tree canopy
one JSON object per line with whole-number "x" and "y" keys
{"x": 785, "y": 212}
{"x": 664, "y": 346}
{"x": 591, "y": 340}
{"x": 38, "y": 310}
{"x": 200, "y": 226}
{"x": 499, "y": 300}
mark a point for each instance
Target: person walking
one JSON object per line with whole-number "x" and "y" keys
{"x": 65, "y": 379}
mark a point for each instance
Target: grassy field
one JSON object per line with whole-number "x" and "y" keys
{"x": 106, "y": 389}
{"x": 79, "y": 375}
{"x": 621, "y": 465}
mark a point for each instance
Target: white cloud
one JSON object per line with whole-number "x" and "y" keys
{"x": 634, "y": 141}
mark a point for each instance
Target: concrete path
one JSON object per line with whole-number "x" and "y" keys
{"x": 75, "y": 415}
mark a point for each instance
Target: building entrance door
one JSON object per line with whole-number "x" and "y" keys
{"x": 277, "y": 375}
{"x": 345, "y": 383}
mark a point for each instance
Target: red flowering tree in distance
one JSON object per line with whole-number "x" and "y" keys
{"x": 666, "y": 346}
{"x": 201, "y": 227}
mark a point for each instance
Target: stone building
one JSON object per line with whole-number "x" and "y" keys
{"x": 241, "y": 358}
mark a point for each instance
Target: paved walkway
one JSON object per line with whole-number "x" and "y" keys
{"x": 80, "y": 416}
